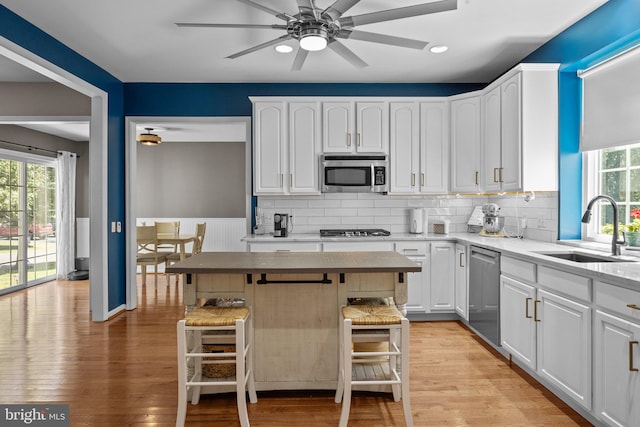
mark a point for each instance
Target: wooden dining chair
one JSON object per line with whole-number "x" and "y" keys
{"x": 148, "y": 251}
{"x": 168, "y": 227}
{"x": 195, "y": 249}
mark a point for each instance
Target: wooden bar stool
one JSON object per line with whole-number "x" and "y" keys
{"x": 387, "y": 366}
{"x": 212, "y": 325}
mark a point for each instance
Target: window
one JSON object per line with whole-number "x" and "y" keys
{"x": 27, "y": 220}
{"x": 616, "y": 173}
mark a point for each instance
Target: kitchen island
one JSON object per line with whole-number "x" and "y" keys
{"x": 295, "y": 299}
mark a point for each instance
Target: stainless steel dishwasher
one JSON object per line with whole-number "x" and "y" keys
{"x": 484, "y": 293}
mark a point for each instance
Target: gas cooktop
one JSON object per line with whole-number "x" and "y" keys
{"x": 355, "y": 232}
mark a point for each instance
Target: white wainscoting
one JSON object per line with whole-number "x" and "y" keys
{"x": 223, "y": 234}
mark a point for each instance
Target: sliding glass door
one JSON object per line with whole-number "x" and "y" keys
{"x": 27, "y": 220}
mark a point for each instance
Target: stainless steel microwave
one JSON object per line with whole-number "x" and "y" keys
{"x": 356, "y": 173}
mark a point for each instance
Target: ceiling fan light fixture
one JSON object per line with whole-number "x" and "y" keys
{"x": 149, "y": 138}
{"x": 313, "y": 39}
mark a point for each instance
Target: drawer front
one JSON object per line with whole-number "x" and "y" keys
{"x": 285, "y": 247}
{"x": 521, "y": 269}
{"x": 412, "y": 248}
{"x": 357, "y": 246}
{"x": 618, "y": 300}
{"x": 566, "y": 283}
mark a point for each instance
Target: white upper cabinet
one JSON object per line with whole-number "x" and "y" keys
{"x": 465, "y": 144}
{"x": 419, "y": 147}
{"x": 520, "y": 130}
{"x": 304, "y": 147}
{"x": 269, "y": 145}
{"x": 434, "y": 147}
{"x": 286, "y": 144}
{"x": 355, "y": 127}
{"x": 404, "y": 147}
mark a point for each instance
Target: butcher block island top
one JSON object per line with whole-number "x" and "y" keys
{"x": 295, "y": 300}
{"x": 294, "y": 262}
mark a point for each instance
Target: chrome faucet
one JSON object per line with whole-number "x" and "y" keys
{"x": 586, "y": 218}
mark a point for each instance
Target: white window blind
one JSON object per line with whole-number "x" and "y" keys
{"x": 611, "y": 102}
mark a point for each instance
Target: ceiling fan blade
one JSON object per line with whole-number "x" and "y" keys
{"x": 204, "y": 25}
{"x": 399, "y": 13}
{"x": 347, "y": 54}
{"x": 281, "y": 15}
{"x": 382, "y": 38}
{"x": 261, "y": 46}
{"x": 337, "y": 9}
{"x": 308, "y": 8}
{"x": 299, "y": 60}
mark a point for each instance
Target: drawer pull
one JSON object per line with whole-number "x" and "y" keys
{"x": 526, "y": 308}
{"x": 535, "y": 310}
{"x": 633, "y": 306}
{"x": 631, "y": 368}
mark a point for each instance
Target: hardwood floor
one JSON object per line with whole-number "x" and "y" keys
{"x": 123, "y": 372}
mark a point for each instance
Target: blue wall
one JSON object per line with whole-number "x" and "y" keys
{"x": 607, "y": 30}
{"x": 232, "y": 99}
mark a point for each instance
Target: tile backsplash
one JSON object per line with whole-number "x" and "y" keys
{"x": 365, "y": 210}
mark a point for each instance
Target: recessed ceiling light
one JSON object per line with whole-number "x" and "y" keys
{"x": 439, "y": 49}
{"x": 283, "y": 48}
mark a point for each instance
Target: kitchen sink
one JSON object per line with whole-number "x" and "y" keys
{"x": 584, "y": 257}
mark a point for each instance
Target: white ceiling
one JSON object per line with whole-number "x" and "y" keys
{"x": 137, "y": 41}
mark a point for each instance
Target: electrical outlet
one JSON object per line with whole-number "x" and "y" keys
{"x": 119, "y": 226}
{"x": 523, "y": 223}
{"x": 113, "y": 226}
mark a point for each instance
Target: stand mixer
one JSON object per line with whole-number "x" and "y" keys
{"x": 492, "y": 223}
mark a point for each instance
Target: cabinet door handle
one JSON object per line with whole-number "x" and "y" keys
{"x": 290, "y": 180}
{"x": 535, "y": 310}
{"x": 500, "y": 173}
{"x": 631, "y": 368}
{"x": 633, "y": 306}
{"x": 461, "y": 259}
{"x": 349, "y": 140}
{"x": 526, "y": 308}
{"x": 477, "y": 178}
{"x": 413, "y": 179}
{"x": 422, "y": 179}
{"x": 358, "y": 139}
{"x": 281, "y": 180}
{"x": 495, "y": 174}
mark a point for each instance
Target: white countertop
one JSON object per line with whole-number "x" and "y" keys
{"x": 626, "y": 273}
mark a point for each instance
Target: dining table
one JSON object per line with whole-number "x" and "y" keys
{"x": 180, "y": 240}
{"x": 295, "y": 298}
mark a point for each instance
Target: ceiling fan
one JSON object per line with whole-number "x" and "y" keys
{"x": 315, "y": 29}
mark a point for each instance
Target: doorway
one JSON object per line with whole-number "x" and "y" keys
{"x": 190, "y": 126}
{"x": 98, "y": 159}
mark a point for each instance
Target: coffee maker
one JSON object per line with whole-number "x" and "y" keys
{"x": 280, "y": 225}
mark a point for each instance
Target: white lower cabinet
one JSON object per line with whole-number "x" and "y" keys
{"x": 442, "y": 277}
{"x": 617, "y": 379}
{"x": 617, "y": 355}
{"x": 461, "y": 282}
{"x": 517, "y": 327}
{"x": 564, "y": 345}
{"x": 418, "y": 282}
{"x": 357, "y": 246}
{"x": 548, "y": 332}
